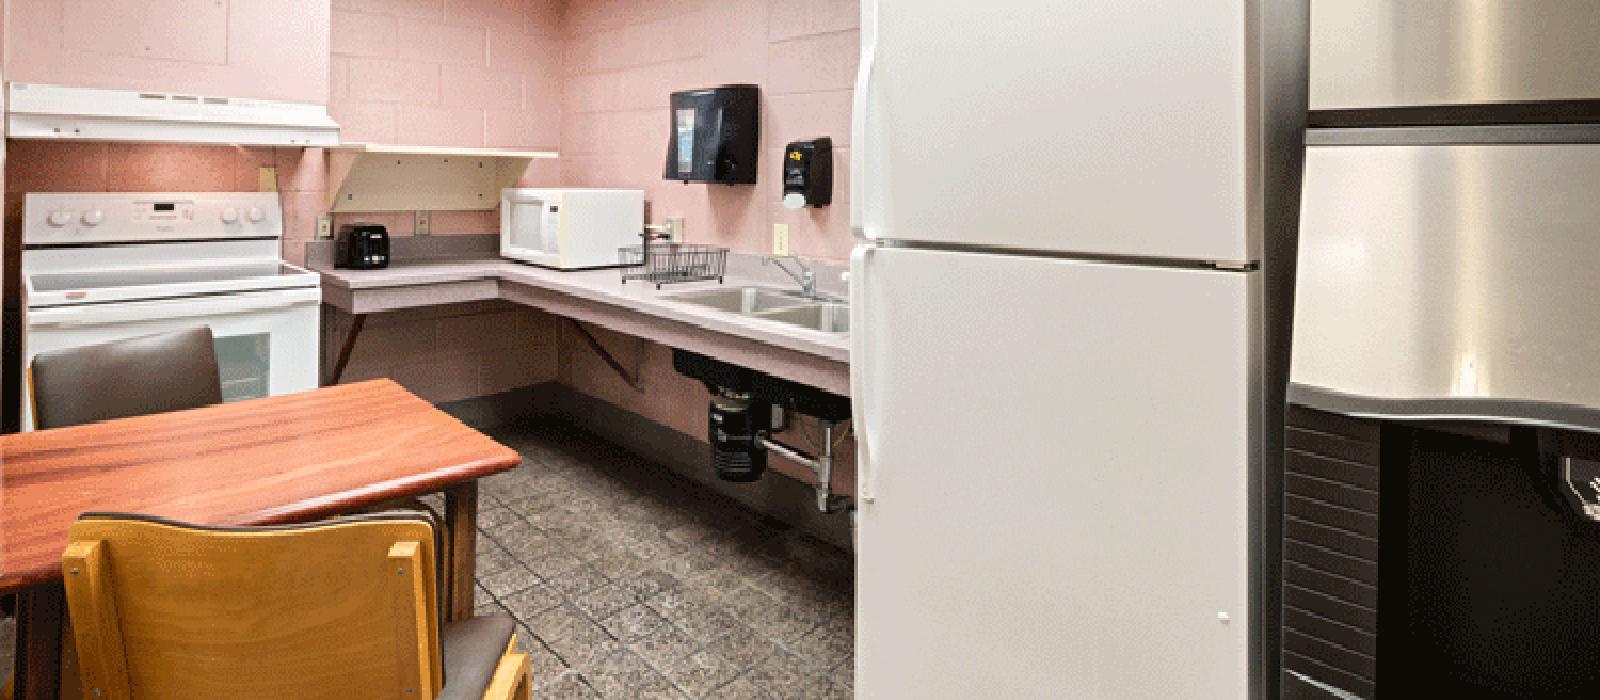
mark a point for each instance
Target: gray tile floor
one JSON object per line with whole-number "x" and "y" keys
{"x": 630, "y": 582}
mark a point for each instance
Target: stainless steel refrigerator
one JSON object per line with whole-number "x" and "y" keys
{"x": 1076, "y": 227}
{"x": 1441, "y": 502}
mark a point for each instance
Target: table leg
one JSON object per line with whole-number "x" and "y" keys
{"x": 41, "y": 612}
{"x": 461, "y": 525}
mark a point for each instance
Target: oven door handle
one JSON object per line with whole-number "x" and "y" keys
{"x": 197, "y": 308}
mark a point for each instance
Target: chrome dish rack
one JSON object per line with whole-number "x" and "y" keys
{"x": 661, "y": 263}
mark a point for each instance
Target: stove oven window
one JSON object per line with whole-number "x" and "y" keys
{"x": 246, "y": 365}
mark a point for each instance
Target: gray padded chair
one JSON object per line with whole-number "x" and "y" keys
{"x": 132, "y": 377}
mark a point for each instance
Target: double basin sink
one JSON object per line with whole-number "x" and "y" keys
{"x": 818, "y": 314}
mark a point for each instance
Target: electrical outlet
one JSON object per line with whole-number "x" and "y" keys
{"x": 325, "y": 226}
{"x": 424, "y": 224}
{"x": 780, "y": 239}
{"x": 267, "y": 179}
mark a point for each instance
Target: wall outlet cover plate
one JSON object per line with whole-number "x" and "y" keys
{"x": 780, "y": 239}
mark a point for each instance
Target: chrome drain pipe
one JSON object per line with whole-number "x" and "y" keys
{"x": 821, "y": 465}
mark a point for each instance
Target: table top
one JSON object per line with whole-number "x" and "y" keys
{"x": 264, "y": 461}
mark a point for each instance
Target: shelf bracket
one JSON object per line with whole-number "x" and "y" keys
{"x": 631, "y": 378}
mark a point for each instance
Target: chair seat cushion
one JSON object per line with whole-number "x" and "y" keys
{"x": 472, "y": 651}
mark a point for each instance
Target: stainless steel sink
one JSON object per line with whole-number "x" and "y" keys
{"x": 825, "y": 317}
{"x": 741, "y": 300}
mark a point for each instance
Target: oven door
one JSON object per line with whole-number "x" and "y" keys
{"x": 266, "y": 341}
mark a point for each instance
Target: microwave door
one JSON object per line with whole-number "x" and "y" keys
{"x": 527, "y": 227}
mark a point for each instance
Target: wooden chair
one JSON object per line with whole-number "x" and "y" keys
{"x": 338, "y": 610}
{"x": 131, "y": 377}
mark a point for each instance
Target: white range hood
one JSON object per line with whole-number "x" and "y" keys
{"x": 37, "y": 111}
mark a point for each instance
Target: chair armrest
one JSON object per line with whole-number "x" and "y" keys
{"x": 513, "y": 679}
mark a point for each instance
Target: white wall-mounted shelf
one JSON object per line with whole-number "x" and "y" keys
{"x": 384, "y": 177}
{"x": 442, "y": 151}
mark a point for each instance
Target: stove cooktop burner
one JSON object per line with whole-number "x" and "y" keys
{"x": 107, "y": 279}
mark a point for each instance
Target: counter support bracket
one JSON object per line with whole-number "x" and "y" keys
{"x": 357, "y": 321}
{"x": 631, "y": 378}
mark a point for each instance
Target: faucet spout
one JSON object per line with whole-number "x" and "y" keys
{"x": 805, "y": 276}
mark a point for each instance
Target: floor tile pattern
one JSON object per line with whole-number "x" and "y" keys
{"x": 630, "y": 582}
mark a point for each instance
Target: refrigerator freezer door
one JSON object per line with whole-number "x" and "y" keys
{"x": 1100, "y": 128}
{"x": 1057, "y": 458}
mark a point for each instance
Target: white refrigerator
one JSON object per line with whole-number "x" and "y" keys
{"x": 1063, "y": 360}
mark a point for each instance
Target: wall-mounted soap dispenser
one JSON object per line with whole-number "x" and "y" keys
{"x": 715, "y": 135}
{"x": 808, "y": 173}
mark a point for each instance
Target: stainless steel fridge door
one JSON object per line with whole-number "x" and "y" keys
{"x": 1402, "y": 53}
{"x": 1054, "y": 464}
{"x": 1450, "y": 281}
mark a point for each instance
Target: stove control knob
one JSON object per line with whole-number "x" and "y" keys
{"x": 230, "y": 215}
{"x": 94, "y": 217}
{"x": 60, "y": 218}
{"x": 256, "y": 215}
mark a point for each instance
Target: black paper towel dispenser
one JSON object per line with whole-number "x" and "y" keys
{"x": 715, "y": 135}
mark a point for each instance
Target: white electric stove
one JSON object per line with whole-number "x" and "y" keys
{"x": 101, "y": 266}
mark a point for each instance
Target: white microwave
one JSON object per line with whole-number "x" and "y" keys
{"x": 570, "y": 229}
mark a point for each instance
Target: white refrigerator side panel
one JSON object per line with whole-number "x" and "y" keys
{"x": 1112, "y": 128}
{"x": 1054, "y": 477}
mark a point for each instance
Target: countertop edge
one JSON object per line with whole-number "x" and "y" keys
{"x": 591, "y": 285}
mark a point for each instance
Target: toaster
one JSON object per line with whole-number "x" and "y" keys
{"x": 361, "y": 247}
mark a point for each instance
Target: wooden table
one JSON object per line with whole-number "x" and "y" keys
{"x": 276, "y": 460}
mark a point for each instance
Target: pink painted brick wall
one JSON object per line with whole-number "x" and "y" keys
{"x": 448, "y": 353}
{"x": 471, "y": 73}
{"x": 274, "y": 49}
{"x": 624, "y": 57}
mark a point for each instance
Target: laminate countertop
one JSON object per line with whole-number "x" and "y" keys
{"x": 453, "y": 280}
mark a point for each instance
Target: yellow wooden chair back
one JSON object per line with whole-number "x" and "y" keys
{"x": 337, "y": 610}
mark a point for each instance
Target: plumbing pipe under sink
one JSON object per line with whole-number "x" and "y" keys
{"x": 821, "y": 464}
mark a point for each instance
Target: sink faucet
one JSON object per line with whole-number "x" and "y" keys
{"x": 806, "y": 277}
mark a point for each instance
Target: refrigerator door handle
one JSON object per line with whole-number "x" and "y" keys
{"x": 858, "y": 115}
{"x": 866, "y": 473}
